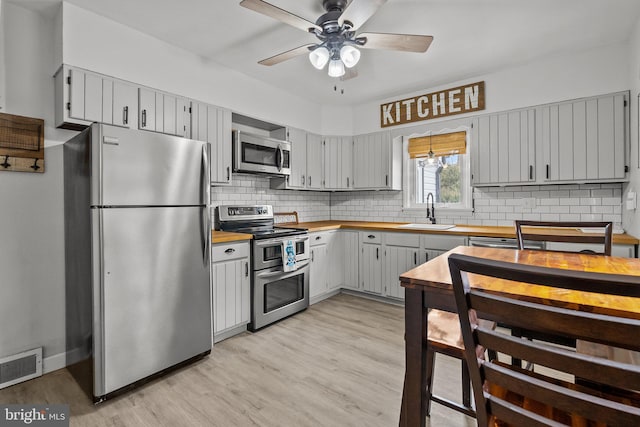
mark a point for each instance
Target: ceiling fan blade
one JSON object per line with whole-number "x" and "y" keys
{"x": 349, "y": 74}
{"x": 281, "y": 57}
{"x": 359, "y": 11}
{"x": 280, "y": 14}
{"x": 403, "y": 42}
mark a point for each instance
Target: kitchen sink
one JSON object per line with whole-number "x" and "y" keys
{"x": 427, "y": 226}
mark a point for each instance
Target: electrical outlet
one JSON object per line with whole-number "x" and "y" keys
{"x": 529, "y": 203}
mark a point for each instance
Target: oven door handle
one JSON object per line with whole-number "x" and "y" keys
{"x": 281, "y": 273}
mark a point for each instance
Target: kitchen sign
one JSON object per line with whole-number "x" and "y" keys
{"x": 449, "y": 102}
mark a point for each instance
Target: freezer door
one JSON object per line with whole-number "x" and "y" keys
{"x": 140, "y": 168}
{"x": 152, "y": 303}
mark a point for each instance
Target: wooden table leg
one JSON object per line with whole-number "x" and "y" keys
{"x": 413, "y": 413}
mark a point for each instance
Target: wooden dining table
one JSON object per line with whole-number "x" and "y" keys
{"x": 429, "y": 286}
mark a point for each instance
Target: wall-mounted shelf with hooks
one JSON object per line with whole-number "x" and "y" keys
{"x": 21, "y": 144}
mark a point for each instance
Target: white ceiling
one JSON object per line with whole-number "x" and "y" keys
{"x": 471, "y": 37}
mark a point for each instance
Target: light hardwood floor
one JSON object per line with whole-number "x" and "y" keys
{"x": 339, "y": 363}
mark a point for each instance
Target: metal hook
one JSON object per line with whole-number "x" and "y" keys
{"x": 6, "y": 163}
{"x": 35, "y": 166}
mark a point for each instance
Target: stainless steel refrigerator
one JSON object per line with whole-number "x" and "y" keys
{"x": 137, "y": 249}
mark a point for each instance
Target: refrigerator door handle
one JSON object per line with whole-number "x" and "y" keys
{"x": 205, "y": 175}
{"x": 206, "y": 233}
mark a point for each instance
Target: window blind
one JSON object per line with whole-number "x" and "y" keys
{"x": 442, "y": 145}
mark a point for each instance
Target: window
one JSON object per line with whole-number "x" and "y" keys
{"x": 445, "y": 173}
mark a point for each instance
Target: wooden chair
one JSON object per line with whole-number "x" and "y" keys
{"x": 445, "y": 337}
{"x": 569, "y": 232}
{"x": 507, "y": 395}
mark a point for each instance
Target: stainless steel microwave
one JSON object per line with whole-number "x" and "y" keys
{"x": 260, "y": 154}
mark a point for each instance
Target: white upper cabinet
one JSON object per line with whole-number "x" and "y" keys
{"x": 503, "y": 148}
{"x": 377, "y": 162}
{"x": 314, "y": 162}
{"x": 338, "y": 163}
{"x": 83, "y": 97}
{"x": 298, "y": 140}
{"x": 164, "y": 113}
{"x": 213, "y": 124}
{"x": 584, "y": 140}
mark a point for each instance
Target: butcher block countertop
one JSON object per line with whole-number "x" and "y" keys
{"x": 225, "y": 236}
{"x": 458, "y": 230}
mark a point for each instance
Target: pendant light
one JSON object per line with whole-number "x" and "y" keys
{"x": 431, "y": 157}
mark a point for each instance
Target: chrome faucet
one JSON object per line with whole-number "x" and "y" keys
{"x": 431, "y": 213}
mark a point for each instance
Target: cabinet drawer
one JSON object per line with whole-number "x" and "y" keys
{"x": 371, "y": 237}
{"x": 403, "y": 239}
{"x": 228, "y": 251}
{"x": 321, "y": 237}
{"x": 443, "y": 243}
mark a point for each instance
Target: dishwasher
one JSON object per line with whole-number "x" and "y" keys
{"x": 503, "y": 242}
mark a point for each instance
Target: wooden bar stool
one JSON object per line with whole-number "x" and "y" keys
{"x": 444, "y": 336}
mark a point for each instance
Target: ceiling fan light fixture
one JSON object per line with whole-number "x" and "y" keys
{"x": 349, "y": 55}
{"x": 319, "y": 57}
{"x": 336, "y": 68}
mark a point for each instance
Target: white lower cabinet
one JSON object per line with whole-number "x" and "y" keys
{"x": 371, "y": 262}
{"x": 230, "y": 272}
{"x": 348, "y": 241}
{"x": 326, "y": 271}
{"x": 401, "y": 254}
{"x": 318, "y": 280}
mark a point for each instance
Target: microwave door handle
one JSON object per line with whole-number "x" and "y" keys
{"x": 279, "y": 158}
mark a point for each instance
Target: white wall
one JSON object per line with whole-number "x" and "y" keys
{"x": 98, "y": 44}
{"x": 631, "y": 218}
{"x": 2, "y": 68}
{"x": 557, "y": 78}
{"x": 31, "y": 204}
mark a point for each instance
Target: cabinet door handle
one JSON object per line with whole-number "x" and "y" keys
{"x": 312, "y": 256}
{"x": 347, "y": 182}
{"x": 125, "y": 115}
{"x": 547, "y": 171}
{"x": 318, "y": 237}
{"x": 229, "y": 251}
{"x": 386, "y": 180}
{"x": 302, "y": 179}
{"x": 144, "y": 118}
{"x": 415, "y": 257}
{"x": 530, "y": 171}
{"x": 371, "y": 236}
{"x": 246, "y": 269}
{"x": 228, "y": 174}
{"x": 309, "y": 180}
{"x": 377, "y": 253}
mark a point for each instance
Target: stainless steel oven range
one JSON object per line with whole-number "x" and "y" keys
{"x": 275, "y": 293}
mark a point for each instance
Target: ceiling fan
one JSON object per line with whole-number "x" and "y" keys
{"x": 336, "y": 30}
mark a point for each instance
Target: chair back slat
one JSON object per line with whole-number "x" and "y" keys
{"x": 602, "y": 371}
{"x": 559, "y": 397}
{"x": 515, "y": 415}
{"x": 547, "y": 319}
{"x": 550, "y": 231}
{"x": 540, "y": 396}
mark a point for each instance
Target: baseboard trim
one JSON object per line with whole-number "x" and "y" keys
{"x": 367, "y": 295}
{"x": 322, "y": 297}
{"x": 62, "y": 360}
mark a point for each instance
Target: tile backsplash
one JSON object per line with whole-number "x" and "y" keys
{"x": 493, "y": 205}
{"x": 254, "y": 189}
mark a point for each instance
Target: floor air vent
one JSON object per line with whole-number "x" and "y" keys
{"x": 20, "y": 367}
